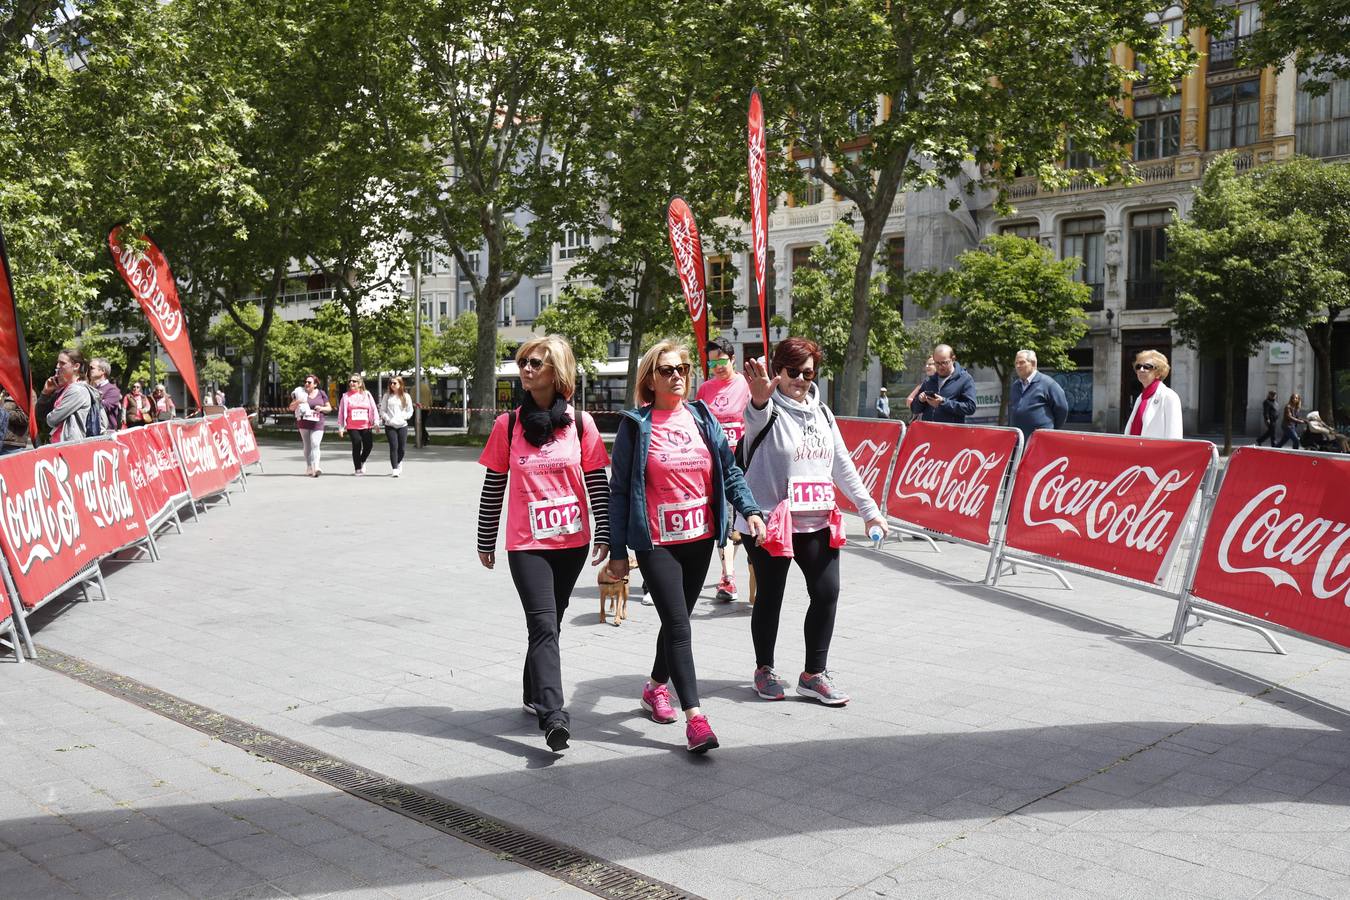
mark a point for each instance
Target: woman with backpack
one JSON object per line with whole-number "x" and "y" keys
{"x": 69, "y": 403}
{"x": 673, "y": 475}
{"x": 546, "y": 462}
{"x": 794, "y": 457}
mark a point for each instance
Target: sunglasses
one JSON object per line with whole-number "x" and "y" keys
{"x": 669, "y": 371}
{"x": 719, "y": 363}
{"x": 807, "y": 374}
{"x": 531, "y": 362}
{"x": 1143, "y": 367}
{"x": 355, "y": 381}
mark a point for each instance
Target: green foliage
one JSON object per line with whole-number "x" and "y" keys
{"x": 581, "y": 316}
{"x": 1009, "y": 294}
{"x": 458, "y": 346}
{"x": 1317, "y": 31}
{"x": 822, "y": 304}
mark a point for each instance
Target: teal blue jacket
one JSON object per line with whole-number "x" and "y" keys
{"x": 628, "y": 480}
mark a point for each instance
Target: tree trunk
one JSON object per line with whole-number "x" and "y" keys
{"x": 1319, "y": 338}
{"x": 642, "y": 310}
{"x": 1228, "y": 387}
{"x": 853, "y": 378}
{"x": 483, "y": 398}
{"x": 354, "y": 322}
{"x": 258, "y": 367}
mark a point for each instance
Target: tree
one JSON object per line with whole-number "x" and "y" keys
{"x": 822, "y": 304}
{"x": 982, "y": 92}
{"x": 581, "y": 315}
{"x": 1322, "y": 192}
{"x": 1317, "y": 32}
{"x": 1007, "y": 295}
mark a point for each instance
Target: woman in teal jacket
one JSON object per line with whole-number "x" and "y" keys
{"x": 671, "y": 477}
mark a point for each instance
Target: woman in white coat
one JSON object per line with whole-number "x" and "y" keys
{"x": 1157, "y": 411}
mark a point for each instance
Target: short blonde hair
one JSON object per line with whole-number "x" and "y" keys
{"x": 1160, "y": 367}
{"x": 557, "y": 353}
{"x": 646, "y": 373}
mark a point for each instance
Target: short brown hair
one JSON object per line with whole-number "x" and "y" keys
{"x": 646, "y": 373}
{"x": 793, "y": 352}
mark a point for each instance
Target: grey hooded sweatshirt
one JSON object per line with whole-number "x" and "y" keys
{"x": 803, "y": 441}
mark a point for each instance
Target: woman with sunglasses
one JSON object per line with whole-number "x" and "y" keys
{"x": 309, "y": 404}
{"x": 553, "y": 461}
{"x": 357, "y": 418}
{"x": 673, "y": 474}
{"x": 1157, "y": 411}
{"x": 396, "y": 408}
{"x": 794, "y": 457}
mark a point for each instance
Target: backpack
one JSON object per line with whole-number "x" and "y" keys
{"x": 96, "y": 420}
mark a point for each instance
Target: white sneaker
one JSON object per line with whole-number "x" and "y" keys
{"x": 360, "y": 472}
{"x": 397, "y": 472}
{"x": 646, "y": 598}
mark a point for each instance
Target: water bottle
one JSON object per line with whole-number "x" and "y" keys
{"x": 875, "y": 534}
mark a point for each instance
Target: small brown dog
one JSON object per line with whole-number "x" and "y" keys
{"x": 614, "y": 595}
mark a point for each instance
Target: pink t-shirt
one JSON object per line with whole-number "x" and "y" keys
{"x": 546, "y": 506}
{"x": 726, "y": 398}
{"x": 679, "y": 479}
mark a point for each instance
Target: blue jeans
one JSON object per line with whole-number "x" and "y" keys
{"x": 1290, "y": 434}
{"x": 6, "y": 449}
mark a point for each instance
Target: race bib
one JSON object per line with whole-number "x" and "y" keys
{"x": 810, "y": 495}
{"x": 734, "y": 432}
{"x": 359, "y": 415}
{"x": 683, "y": 521}
{"x": 555, "y": 516}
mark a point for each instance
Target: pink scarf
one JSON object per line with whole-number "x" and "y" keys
{"x": 1137, "y": 420}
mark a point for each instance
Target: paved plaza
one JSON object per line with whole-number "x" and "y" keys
{"x": 1028, "y": 741}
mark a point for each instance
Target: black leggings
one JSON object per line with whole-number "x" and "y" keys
{"x": 674, "y": 577}
{"x": 819, "y": 562}
{"x": 362, "y": 439}
{"x": 398, "y": 444}
{"x": 544, "y": 579}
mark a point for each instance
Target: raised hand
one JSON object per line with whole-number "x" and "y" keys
{"x": 761, "y": 385}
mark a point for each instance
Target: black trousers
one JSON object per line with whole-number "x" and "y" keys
{"x": 362, "y": 440}
{"x": 819, "y": 562}
{"x": 398, "y": 444}
{"x": 1268, "y": 434}
{"x": 544, "y": 579}
{"x": 674, "y": 577}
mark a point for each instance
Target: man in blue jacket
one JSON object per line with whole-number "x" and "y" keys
{"x": 1036, "y": 400}
{"x": 948, "y": 395}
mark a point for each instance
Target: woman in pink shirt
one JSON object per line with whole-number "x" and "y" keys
{"x": 357, "y": 417}
{"x": 553, "y": 461}
{"x": 673, "y": 478}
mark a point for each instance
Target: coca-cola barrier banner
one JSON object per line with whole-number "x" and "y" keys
{"x": 1115, "y": 504}
{"x": 244, "y": 441}
{"x": 156, "y": 476}
{"x": 871, "y": 444}
{"x": 1278, "y": 543}
{"x": 206, "y": 452}
{"x": 62, "y": 507}
{"x": 947, "y": 477}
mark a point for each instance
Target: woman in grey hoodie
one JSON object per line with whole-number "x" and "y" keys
{"x": 794, "y": 457}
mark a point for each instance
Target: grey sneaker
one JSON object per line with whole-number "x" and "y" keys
{"x": 769, "y": 685}
{"x": 821, "y": 687}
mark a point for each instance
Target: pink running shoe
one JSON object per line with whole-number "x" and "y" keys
{"x": 698, "y": 735}
{"x": 656, "y": 700}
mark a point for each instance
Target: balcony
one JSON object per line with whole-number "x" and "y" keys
{"x": 1223, "y": 52}
{"x": 1147, "y": 293}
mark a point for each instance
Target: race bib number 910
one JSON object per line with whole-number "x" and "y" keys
{"x": 683, "y": 521}
{"x": 555, "y": 516}
{"x": 810, "y": 495}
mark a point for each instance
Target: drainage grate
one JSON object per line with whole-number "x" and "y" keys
{"x": 576, "y": 867}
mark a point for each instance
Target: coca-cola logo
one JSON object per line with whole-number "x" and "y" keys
{"x": 688, "y": 261}
{"x": 106, "y": 496}
{"x": 198, "y": 453}
{"x": 43, "y": 520}
{"x": 1262, "y": 530}
{"x": 140, "y": 273}
{"x": 758, "y": 201}
{"x": 867, "y": 459}
{"x": 243, "y": 436}
{"x": 224, "y": 449}
{"x": 960, "y": 484}
{"x": 1105, "y": 510}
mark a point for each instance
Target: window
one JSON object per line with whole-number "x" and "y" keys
{"x": 1172, "y": 22}
{"x": 1322, "y": 124}
{"x": 895, "y": 259}
{"x": 428, "y": 261}
{"x": 1029, "y": 230}
{"x": 576, "y": 241}
{"x": 813, "y": 192}
{"x": 429, "y": 311}
{"x": 801, "y": 258}
{"x": 721, "y": 291}
{"x": 470, "y": 266}
{"x": 1078, "y": 159}
{"x": 442, "y": 308}
{"x": 1145, "y": 288}
{"x": 1157, "y": 127}
{"x": 467, "y": 303}
{"x": 1085, "y": 239}
{"x": 509, "y": 310}
{"x": 752, "y": 317}
{"x": 1234, "y": 114}
{"x": 863, "y": 120}
{"x": 1224, "y": 45}
{"x": 545, "y": 300}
